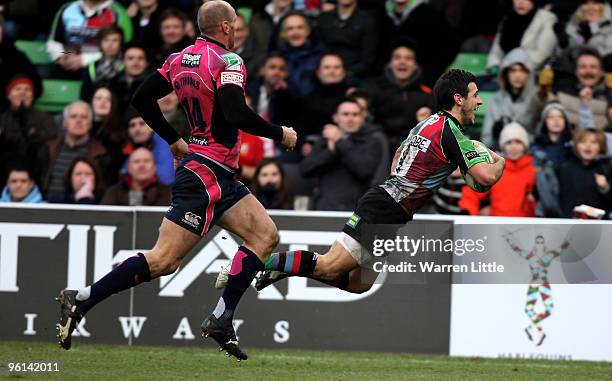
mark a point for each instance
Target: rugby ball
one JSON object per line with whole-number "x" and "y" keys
{"x": 482, "y": 151}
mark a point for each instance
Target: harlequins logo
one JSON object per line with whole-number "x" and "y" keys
{"x": 353, "y": 220}
{"x": 471, "y": 155}
{"x": 192, "y": 219}
{"x": 191, "y": 60}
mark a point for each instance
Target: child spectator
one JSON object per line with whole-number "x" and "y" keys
{"x": 20, "y": 187}
{"x": 585, "y": 178}
{"x": 107, "y": 67}
{"x": 512, "y": 196}
{"x": 553, "y": 143}
{"x": 270, "y": 186}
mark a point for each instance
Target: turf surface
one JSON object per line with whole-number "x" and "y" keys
{"x": 94, "y": 362}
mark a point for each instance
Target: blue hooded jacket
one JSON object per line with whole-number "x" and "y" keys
{"x": 33, "y": 197}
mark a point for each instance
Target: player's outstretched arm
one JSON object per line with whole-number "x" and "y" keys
{"x": 237, "y": 112}
{"x": 155, "y": 87}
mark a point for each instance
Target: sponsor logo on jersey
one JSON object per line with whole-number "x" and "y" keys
{"x": 192, "y": 219}
{"x": 232, "y": 61}
{"x": 191, "y": 60}
{"x": 232, "y": 78}
{"x": 201, "y": 141}
{"x": 471, "y": 155}
{"x": 353, "y": 220}
{"x": 420, "y": 142}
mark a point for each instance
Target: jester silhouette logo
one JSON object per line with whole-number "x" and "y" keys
{"x": 576, "y": 245}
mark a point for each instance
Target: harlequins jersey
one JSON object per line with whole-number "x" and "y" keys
{"x": 430, "y": 153}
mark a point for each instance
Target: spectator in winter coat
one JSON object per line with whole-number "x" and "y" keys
{"x": 301, "y": 51}
{"x": 513, "y": 195}
{"x": 527, "y": 27}
{"x": 140, "y": 185}
{"x": 398, "y": 94}
{"x": 24, "y": 130}
{"x": 512, "y": 102}
{"x": 352, "y": 33}
{"x": 553, "y": 143}
{"x": 344, "y": 161}
{"x": 108, "y": 66}
{"x": 329, "y": 91}
{"x": 20, "y": 187}
{"x": 585, "y": 178}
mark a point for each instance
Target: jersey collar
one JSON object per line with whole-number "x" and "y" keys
{"x": 208, "y": 39}
{"x": 448, "y": 115}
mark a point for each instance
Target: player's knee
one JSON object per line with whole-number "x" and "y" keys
{"x": 271, "y": 238}
{"x": 160, "y": 265}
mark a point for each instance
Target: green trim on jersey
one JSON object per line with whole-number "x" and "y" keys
{"x": 469, "y": 153}
{"x": 123, "y": 21}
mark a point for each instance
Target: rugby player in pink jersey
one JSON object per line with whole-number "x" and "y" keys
{"x": 209, "y": 81}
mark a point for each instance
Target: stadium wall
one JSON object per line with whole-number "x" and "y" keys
{"x": 44, "y": 248}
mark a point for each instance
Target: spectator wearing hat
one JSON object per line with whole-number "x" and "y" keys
{"x": 140, "y": 185}
{"x": 23, "y": 129}
{"x": 513, "y": 194}
{"x": 554, "y": 140}
{"x": 512, "y": 102}
{"x": 352, "y": 33}
{"x": 14, "y": 63}
{"x": 141, "y": 135}
{"x": 20, "y": 187}
{"x": 398, "y": 94}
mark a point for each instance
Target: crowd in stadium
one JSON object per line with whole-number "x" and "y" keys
{"x": 351, "y": 76}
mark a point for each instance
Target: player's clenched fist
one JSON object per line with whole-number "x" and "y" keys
{"x": 289, "y": 137}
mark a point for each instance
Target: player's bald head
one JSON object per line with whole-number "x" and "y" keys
{"x": 212, "y": 13}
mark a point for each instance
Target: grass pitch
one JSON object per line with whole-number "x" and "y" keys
{"x": 121, "y": 362}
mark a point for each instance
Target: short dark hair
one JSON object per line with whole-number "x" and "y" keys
{"x": 20, "y": 167}
{"x": 134, "y": 45}
{"x": 107, "y": 30}
{"x": 453, "y": 81}
{"x": 589, "y": 51}
{"x": 274, "y": 54}
{"x": 349, "y": 99}
{"x": 327, "y": 54}
{"x": 172, "y": 13}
